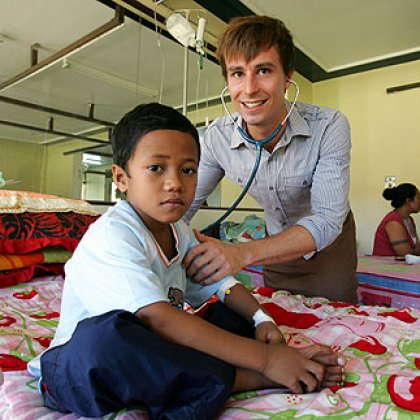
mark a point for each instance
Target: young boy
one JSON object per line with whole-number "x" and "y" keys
{"x": 123, "y": 339}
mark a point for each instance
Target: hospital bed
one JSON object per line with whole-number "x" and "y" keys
{"x": 381, "y": 345}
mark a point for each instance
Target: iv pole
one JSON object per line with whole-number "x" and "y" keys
{"x": 180, "y": 28}
{"x": 185, "y": 80}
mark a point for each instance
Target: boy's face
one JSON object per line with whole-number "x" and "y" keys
{"x": 161, "y": 176}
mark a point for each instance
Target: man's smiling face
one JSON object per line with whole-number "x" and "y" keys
{"x": 257, "y": 90}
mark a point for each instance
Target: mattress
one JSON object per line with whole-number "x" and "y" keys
{"x": 387, "y": 282}
{"x": 381, "y": 345}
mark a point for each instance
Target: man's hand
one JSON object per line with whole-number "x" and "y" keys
{"x": 212, "y": 260}
{"x": 267, "y": 332}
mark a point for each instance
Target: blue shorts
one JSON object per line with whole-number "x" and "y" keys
{"x": 113, "y": 361}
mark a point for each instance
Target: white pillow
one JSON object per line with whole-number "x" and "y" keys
{"x": 21, "y": 201}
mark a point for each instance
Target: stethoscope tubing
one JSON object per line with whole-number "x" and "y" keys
{"x": 243, "y": 133}
{"x": 259, "y": 145}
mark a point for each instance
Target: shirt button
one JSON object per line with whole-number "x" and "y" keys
{"x": 271, "y": 188}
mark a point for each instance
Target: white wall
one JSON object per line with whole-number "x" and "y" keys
{"x": 385, "y": 136}
{"x": 24, "y": 162}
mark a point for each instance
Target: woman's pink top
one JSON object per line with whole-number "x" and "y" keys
{"x": 382, "y": 245}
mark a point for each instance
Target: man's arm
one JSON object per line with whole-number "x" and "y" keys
{"x": 330, "y": 184}
{"x": 212, "y": 259}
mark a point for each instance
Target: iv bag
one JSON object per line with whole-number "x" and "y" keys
{"x": 181, "y": 29}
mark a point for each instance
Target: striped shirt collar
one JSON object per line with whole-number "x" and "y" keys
{"x": 296, "y": 126}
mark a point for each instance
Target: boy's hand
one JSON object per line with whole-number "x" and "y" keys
{"x": 267, "y": 332}
{"x": 287, "y": 366}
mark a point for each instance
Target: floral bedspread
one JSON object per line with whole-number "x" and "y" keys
{"x": 382, "y": 347}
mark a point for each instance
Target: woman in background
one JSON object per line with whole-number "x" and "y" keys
{"x": 396, "y": 235}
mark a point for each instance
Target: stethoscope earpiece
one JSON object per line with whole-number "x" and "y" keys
{"x": 242, "y": 132}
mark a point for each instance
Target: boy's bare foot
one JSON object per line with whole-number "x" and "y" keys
{"x": 293, "y": 368}
{"x": 332, "y": 361}
{"x": 300, "y": 370}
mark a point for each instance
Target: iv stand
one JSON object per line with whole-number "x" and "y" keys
{"x": 185, "y": 79}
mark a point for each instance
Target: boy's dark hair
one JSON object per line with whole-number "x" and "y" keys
{"x": 142, "y": 120}
{"x": 399, "y": 195}
{"x": 246, "y": 36}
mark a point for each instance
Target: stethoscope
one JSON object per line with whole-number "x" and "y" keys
{"x": 259, "y": 145}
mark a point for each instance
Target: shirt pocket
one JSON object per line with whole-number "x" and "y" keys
{"x": 297, "y": 189}
{"x": 242, "y": 178}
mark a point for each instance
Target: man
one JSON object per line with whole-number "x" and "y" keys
{"x": 303, "y": 179}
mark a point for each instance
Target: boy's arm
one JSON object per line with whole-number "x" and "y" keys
{"x": 277, "y": 362}
{"x": 192, "y": 331}
{"x": 241, "y": 301}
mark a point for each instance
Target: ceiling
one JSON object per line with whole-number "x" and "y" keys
{"x": 338, "y": 37}
{"x": 341, "y": 34}
{"x": 46, "y": 61}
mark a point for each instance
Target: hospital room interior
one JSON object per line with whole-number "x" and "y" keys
{"x": 70, "y": 69}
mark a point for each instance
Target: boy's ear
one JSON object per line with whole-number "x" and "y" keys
{"x": 119, "y": 176}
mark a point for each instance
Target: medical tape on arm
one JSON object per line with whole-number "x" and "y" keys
{"x": 224, "y": 289}
{"x": 260, "y": 316}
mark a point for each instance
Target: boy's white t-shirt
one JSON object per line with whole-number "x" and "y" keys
{"x": 119, "y": 265}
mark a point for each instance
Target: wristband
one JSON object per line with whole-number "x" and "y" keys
{"x": 224, "y": 289}
{"x": 260, "y": 316}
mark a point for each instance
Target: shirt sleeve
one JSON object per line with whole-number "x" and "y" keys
{"x": 196, "y": 294}
{"x": 330, "y": 184}
{"x": 209, "y": 172}
{"x": 113, "y": 271}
